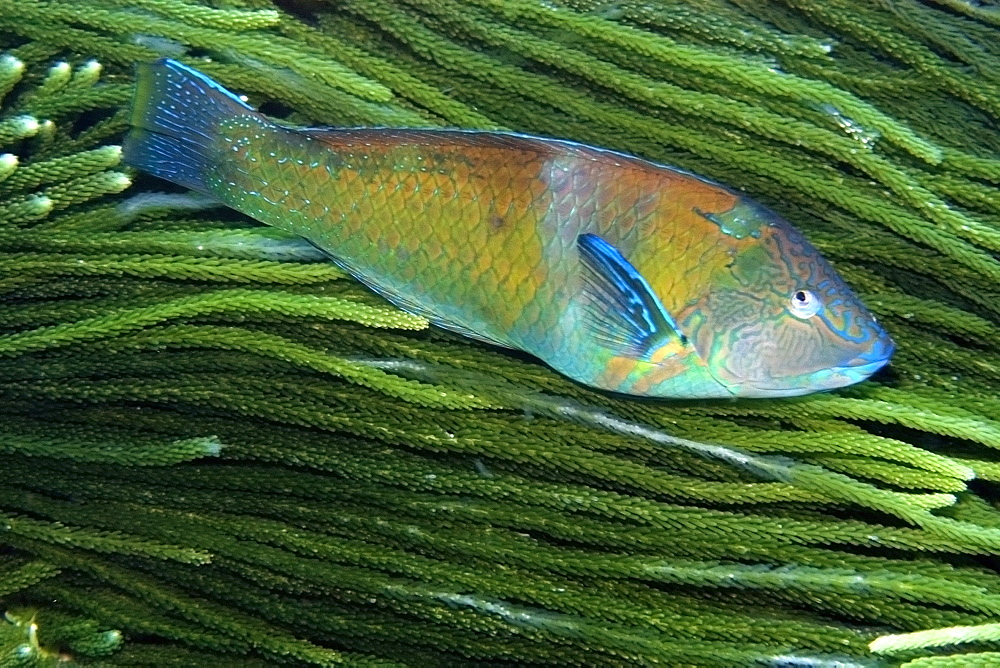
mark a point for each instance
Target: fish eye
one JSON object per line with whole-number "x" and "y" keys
{"x": 804, "y": 304}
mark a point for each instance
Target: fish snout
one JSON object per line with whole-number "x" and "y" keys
{"x": 877, "y": 356}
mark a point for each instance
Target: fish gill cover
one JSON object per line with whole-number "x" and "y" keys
{"x": 217, "y": 449}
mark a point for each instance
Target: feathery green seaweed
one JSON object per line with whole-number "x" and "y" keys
{"x": 216, "y": 448}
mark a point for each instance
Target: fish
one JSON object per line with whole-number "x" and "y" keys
{"x": 620, "y": 273}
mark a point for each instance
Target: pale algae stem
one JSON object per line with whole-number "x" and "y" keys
{"x": 288, "y": 351}
{"x": 113, "y": 542}
{"x": 970, "y": 194}
{"x": 884, "y": 472}
{"x": 74, "y": 102}
{"x": 132, "y": 319}
{"x": 842, "y": 442}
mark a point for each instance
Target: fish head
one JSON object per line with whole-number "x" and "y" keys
{"x": 779, "y": 321}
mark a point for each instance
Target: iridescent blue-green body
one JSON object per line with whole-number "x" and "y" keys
{"x": 618, "y": 272}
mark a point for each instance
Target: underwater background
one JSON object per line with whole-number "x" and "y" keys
{"x": 217, "y": 449}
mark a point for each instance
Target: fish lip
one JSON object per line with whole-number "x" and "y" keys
{"x": 866, "y": 364}
{"x": 859, "y": 370}
{"x": 854, "y": 371}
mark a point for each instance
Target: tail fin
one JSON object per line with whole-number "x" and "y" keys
{"x": 175, "y": 116}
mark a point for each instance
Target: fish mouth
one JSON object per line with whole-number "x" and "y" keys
{"x": 852, "y": 372}
{"x": 865, "y": 365}
{"x": 862, "y": 368}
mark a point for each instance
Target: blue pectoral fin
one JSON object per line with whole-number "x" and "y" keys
{"x": 621, "y": 307}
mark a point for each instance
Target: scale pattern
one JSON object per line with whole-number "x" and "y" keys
{"x": 479, "y": 232}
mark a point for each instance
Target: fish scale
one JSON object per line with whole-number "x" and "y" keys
{"x": 618, "y": 272}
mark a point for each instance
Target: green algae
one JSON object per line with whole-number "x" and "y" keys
{"x": 216, "y": 448}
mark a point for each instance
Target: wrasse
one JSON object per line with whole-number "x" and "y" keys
{"x": 620, "y": 273}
